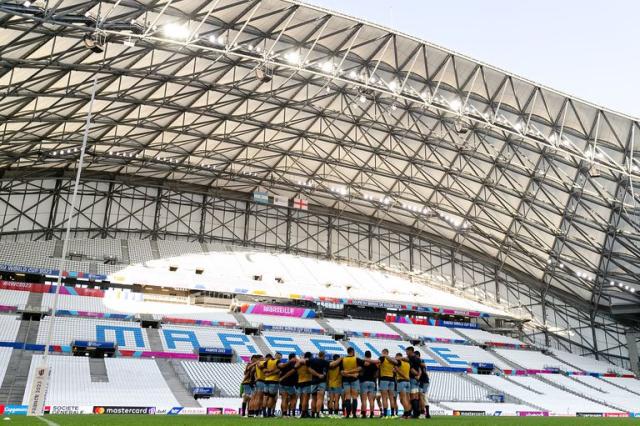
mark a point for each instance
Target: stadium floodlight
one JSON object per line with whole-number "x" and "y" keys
{"x": 94, "y": 42}
{"x": 293, "y": 57}
{"x": 264, "y": 73}
{"x": 455, "y": 105}
{"x": 176, "y": 31}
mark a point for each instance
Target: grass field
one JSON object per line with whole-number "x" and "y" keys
{"x": 237, "y": 421}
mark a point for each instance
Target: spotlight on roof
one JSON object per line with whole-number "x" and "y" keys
{"x": 264, "y": 73}
{"x": 94, "y": 42}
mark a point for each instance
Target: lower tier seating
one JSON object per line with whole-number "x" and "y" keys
{"x": 131, "y": 382}
{"x": 223, "y": 376}
{"x": 453, "y": 387}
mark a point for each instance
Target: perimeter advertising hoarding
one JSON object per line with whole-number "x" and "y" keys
{"x": 102, "y": 409}
{"x": 469, "y": 413}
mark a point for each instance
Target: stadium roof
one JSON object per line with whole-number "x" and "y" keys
{"x": 355, "y": 117}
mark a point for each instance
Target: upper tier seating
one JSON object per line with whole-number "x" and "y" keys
{"x": 132, "y": 382}
{"x": 585, "y": 363}
{"x": 532, "y": 360}
{"x": 9, "y": 325}
{"x": 428, "y": 332}
{"x": 286, "y": 343}
{"x": 611, "y": 393}
{"x": 349, "y": 326}
{"x": 78, "y": 303}
{"x": 282, "y": 275}
{"x": 128, "y": 335}
{"x": 14, "y": 298}
{"x": 453, "y": 387}
{"x": 465, "y": 355}
{"x": 226, "y": 377}
{"x": 481, "y": 336}
{"x": 549, "y": 398}
{"x": 5, "y": 355}
{"x": 169, "y": 248}
{"x": 96, "y": 248}
{"x": 195, "y": 313}
{"x": 275, "y": 321}
{"x": 180, "y": 338}
{"x": 139, "y": 251}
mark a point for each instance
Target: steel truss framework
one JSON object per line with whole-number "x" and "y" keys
{"x": 116, "y": 207}
{"x": 359, "y": 119}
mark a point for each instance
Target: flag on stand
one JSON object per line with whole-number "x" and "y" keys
{"x": 279, "y": 200}
{"x": 261, "y": 197}
{"x": 299, "y": 203}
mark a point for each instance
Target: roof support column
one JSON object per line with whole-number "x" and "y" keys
{"x": 54, "y": 210}
{"x": 287, "y": 248}
{"x": 203, "y": 214}
{"x": 632, "y": 347}
{"x": 107, "y": 212}
{"x": 329, "y": 236}
{"x": 247, "y": 216}
{"x": 156, "y": 216}
{"x": 453, "y": 267}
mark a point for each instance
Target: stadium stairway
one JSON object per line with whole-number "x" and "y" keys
{"x": 515, "y": 383}
{"x": 262, "y": 346}
{"x": 153, "y": 334}
{"x": 554, "y": 356}
{"x": 177, "y": 387}
{"x": 426, "y": 350}
{"x": 98, "y": 370}
{"x": 57, "y": 249}
{"x": 155, "y": 251}
{"x": 462, "y": 336}
{"x": 34, "y": 303}
{"x": 505, "y": 360}
{"x": 507, "y": 397}
{"x": 616, "y": 385}
{"x": 326, "y": 326}
{"x": 402, "y": 334}
{"x": 15, "y": 380}
{"x": 124, "y": 252}
{"x": 585, "y": 384}
{"x": 242, "y": 321}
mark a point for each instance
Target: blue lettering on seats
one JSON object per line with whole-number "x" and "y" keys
{"x": 283, "y": 344}
{"x": 119, "y": 334}
{"x": 173, "y": 336}
{"x": 230, "y": 340}
{"x": 450, "y": 358}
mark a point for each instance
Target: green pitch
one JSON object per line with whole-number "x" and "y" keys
{"x": 236, "y": 421}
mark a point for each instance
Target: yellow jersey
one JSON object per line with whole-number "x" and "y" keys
{"x": 259, "y": 372}
{"x": 272, "y": 364}
{"x": 405, "y": 369}
{"x": 386, "y": 369}
{"x": 334, "y": 378}
{"x": 349, "y": 363}
{"x": 304, "y": 375}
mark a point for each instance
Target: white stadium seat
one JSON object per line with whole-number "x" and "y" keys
{"x": 131, "y": 382}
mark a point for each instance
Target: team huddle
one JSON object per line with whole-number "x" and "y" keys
{"x": 305, "y": 384}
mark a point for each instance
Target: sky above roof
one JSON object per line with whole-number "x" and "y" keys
{"x": 585, "y": 48}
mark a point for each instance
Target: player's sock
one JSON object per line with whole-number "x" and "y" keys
{"x": 354, "y": 407}
{"x": 426, "y": 411}
{"x": 415, "y": 408}
{"x": 347, "y": 407}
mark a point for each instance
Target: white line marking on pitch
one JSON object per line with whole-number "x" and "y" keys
{"x": 47, "y": 421}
